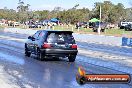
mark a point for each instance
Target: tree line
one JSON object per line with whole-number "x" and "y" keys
{"x": 110, "y": 13}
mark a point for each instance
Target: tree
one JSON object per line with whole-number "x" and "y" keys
{"x": 23, "y": 11}
{"x": 21, "y": 7}
{"x": 8, "y": 14}
{"x": 75, "y": 7}
{"x": 74, "y": 15}
{"x": 110, "y": 12}
{"x": 42, "y": 14}
{"x": 129, "y": 14}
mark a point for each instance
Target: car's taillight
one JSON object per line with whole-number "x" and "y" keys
{"x": 46, "y": 45}
{"x": 74, "y": 46}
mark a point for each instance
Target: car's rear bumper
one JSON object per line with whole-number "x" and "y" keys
{"x": 59, "y": 52}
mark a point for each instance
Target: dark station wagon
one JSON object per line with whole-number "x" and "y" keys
{"x": 50, "y": 43}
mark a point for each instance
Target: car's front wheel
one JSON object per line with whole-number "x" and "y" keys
{"x": 27, "y": 53}
{"x": 72, "y": 58}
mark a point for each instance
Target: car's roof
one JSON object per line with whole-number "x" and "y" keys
{"x": 57, "y": 31}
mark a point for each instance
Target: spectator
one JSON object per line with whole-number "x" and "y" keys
{"x": 77, "y": 25}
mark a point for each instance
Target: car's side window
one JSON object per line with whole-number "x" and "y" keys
{"x": 36, "y": 35}
{"x": 41, "y": 35}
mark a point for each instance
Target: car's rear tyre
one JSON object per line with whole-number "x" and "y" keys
{"x": 72, "y": 58}
{"x": 40, "y": 55}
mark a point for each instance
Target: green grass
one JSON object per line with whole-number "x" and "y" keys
{"x": 1, "y": 28}
{"x": 114, "y": 32}
{"x": 118, "y": 32}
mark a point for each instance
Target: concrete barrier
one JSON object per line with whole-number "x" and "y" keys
{"x": 126, "y": 41}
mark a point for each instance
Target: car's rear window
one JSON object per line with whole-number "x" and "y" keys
{"x": 60, "y": 38}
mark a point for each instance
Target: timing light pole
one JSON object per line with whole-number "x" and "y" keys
{"x": 99, "y": 29}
